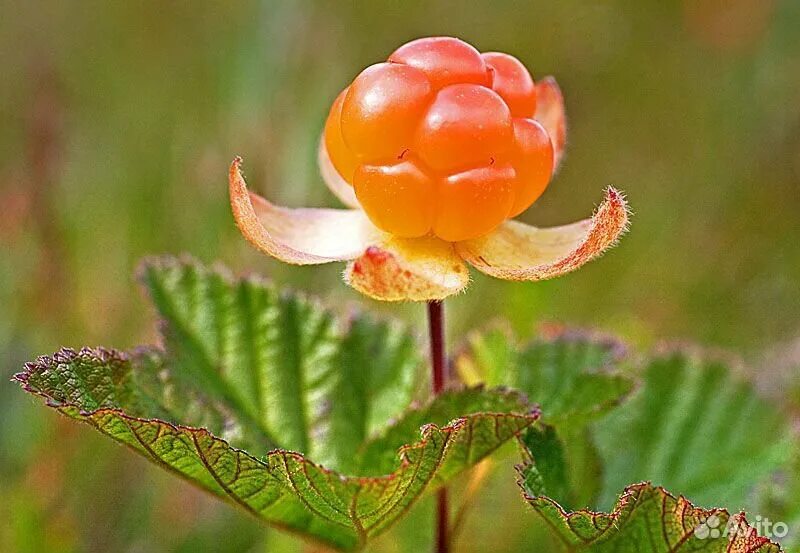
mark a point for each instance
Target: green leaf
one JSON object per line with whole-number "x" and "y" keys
{"x": 647, "y": 518}
{"x": 693, "y": 427}
{"x": 546, "y": 472}
{"x": 285, "y": 365}
{"x": 570, "y": 375}
{"x": 252, "y": 383}
{"x": 377, "y": 455}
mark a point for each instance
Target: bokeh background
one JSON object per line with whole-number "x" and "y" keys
{"x": 118, "y": 121}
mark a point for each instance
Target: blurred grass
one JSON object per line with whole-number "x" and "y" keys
{"x": 119, "y": 120}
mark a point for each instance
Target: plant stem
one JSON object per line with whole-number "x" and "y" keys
{"x": 442, "y": 531}
{"x": 438, "y": 383}
{"x": 436, "y": 330}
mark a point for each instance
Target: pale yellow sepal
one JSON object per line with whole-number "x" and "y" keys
{"x": 408, "y": 269}
{"x": 516, "y": 251}
{"x": 390, "y": 268}
{"x": 303, "y": 236}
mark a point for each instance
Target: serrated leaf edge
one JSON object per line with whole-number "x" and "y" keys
{"x": 67, "y": 355}
{"x": 631, "y": 493}
{"x": 343, "y": 318}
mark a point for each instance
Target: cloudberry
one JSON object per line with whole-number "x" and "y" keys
{"x": 441, "y": 139}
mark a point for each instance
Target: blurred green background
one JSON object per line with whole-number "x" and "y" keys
{"x": 118, "y": 121}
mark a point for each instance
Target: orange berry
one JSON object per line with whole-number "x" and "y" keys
{"x": 381, "y": 110}
{"x": 445, "y": 60}
{"x": 512, "y": 81}
{"x": 399, "y": 198}
{"x": 340, "y": 155}
{"x": 467, "y": 125}
{"x": 440, "y": 140}
{"x": 533, "y": 160}
{"x": 473, "y": 203}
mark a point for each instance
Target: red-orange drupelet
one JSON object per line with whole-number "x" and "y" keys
{"x": 441, "y": 140}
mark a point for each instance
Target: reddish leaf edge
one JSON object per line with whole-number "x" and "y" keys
{"x": 404, "y": 453}
{"x": 630, "y": 493}
{"x": 66, "y": 355}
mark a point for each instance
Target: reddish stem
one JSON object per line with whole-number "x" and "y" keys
{"x": 436, "y": 330}
{"x": 442, "y": 530}
{"x": 438, "y": 383}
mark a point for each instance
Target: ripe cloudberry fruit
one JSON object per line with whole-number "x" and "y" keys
{"x": 441, "y": 140}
